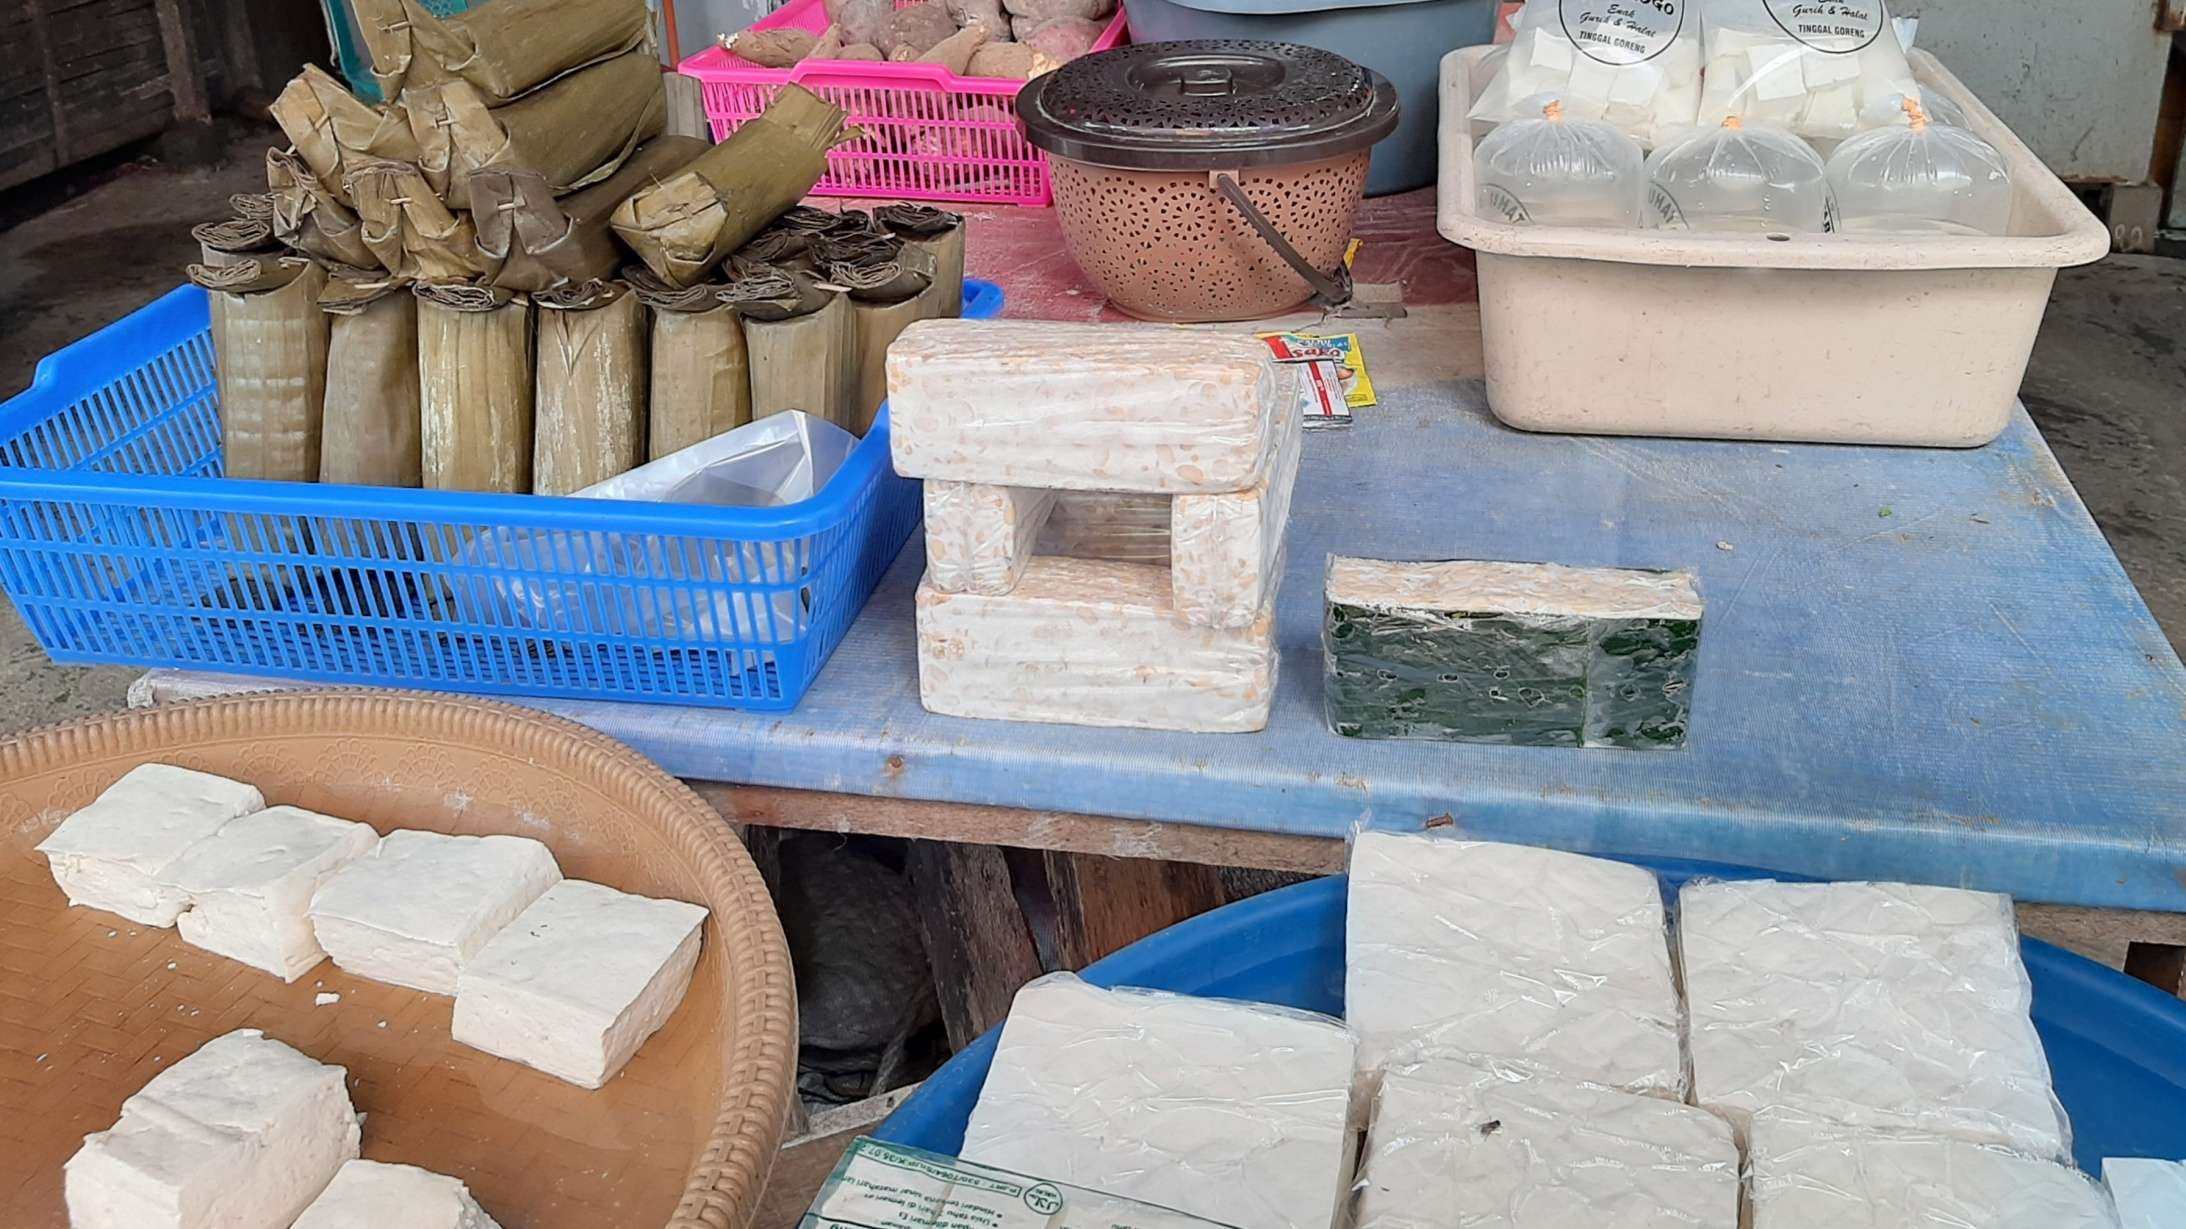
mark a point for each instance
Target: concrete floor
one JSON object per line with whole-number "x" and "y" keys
{"x": 2107, "y": 384}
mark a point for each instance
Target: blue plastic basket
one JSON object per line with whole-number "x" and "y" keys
{"x": 121, "y": 543}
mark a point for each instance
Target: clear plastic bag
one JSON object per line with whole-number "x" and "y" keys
{"x": 1552, "y": 170}
{"x": 1739, "y": 178}
{"x": 1514, "y": 1148}
{"x": 1808, "y": 1174}
{"x": 1235, "y": 1112}
{"x": 1636, "y": 66}
{"x": 1553, "y": 959}
{"x": 1923, "y": 178}
{"x": 1815, "y": 68}
{"x": 1881, "y": 1006}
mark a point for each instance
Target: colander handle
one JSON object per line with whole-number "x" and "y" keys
{"x": 1330, "y": 290}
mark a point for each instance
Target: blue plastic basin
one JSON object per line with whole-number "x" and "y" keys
{"x": 2117, "y": 1047}
{"x": 1403, "y": 40}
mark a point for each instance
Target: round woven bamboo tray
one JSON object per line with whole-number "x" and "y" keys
{"x": 93, "y": 1006}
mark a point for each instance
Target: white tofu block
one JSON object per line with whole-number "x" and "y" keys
{"x": 579, "y": 980}
{"x": 1553, "y": 959}
{"x": 1548, "y": 52}
{"x": 1085, "y": 407}
{"x": 1822, "y": 69}
{"x": 1235, "y": 1112}
{"x": 1226, "y": 551}
{"x": 249, "y": 886}
{"x": 1592, "y": 80}
{"x": 1092, "y": 642}
{"x": 1119, "y": 525}
{"x": 1490, "y": 1145}
{"x": 1773, "y": 72}
{"x": 241, "y": 1134}
{"x": 1807, "y": 1175}
{"x": 377, "y": 1195}
{"x": 111, "y": 854}
{"x": 2148, "y": 1194}
{"x": 1873, "y": 1004}
{"x": 421, "y": 905}
{"x": 979, "y": 537}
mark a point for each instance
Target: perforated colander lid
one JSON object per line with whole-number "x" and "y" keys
{"x": 1207, "y": 104}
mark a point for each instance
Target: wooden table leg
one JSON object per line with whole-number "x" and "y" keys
{"x": 1105, "y": 904}
{"x": 976, "y": 937}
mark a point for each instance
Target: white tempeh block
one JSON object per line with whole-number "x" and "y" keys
{"x": 420, "y": 906}
{"x": 978, "y": 537}
{"x": 250, "y": 885}
{"x": 1873, "y": 1004}
{"x": 1085, "y": 407}
{"x": 1226, "y": 551}
{"x": 377, "y": 1195}
{"x": 1492, "y": 1145}
{"x": 241, "y": 1134}
{"x": 1504, "y": 951}
{"x": 110, "y": 855}
{"x": 1092, "y": 642}
{"x": 1120, "y": 525}
{"x": 579, "y": 980}
{"x": 2149, "y": 1194}
{"x": 1235, "y": 1112}
{"x": 1807, "y": 1175}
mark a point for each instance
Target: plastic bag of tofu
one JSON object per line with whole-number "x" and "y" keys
{"x": 1549, "y": 169}
{"x": 1632, "y": 63}
{"x": 1814, "y": 66}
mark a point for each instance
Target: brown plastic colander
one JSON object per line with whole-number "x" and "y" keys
{"x": 1215, "y": 179}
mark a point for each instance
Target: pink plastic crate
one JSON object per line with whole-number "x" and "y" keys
{"x": 930, "y": 135}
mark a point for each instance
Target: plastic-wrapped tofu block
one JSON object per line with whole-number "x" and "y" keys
{"x": 241, "y": 1134}
{"x": 1549, "y": 958}
{"x": 1815, "y": 68}
{"x": 1637, "y": 66}
{"x": 891, "y": 1186}
{"x": 111, "y": 854}
{"x": 1809, "y": 1175}
{"x": 1879, "y": 1005}
{"x": 416, "y": 909}
{"x": 1085, "y": 407}
{"x": 1530, "y": 654}
{"x": 1226, "y": 551}
{"x": 1492, "y": 1145}
{"x": 579, "y": 980}
{"x": 2149, "y": 1194}
{"x": 377, "y": 1195}
{"x": 978, "y": 537}
{"x": 250, "y": 885}
{"x": 1235, "y": 1112}
{"x": 1092, "y": 642}
{"x": 1123, "y": 526}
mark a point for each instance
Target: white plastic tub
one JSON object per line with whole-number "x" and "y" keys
{"x": 1867, "y": 339}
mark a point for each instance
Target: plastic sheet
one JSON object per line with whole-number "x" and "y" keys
{"x": 1921, "y": 178}
{"x": 1814, "y": 68}
{"x": 1553, "y": 169}
{"x": 1226, "y": 551}
{"x": 1529, "y": 654}
{"x": 1085, "y": 407}
{"x": 1236, "y": 1112}
{"x": 1092, "y": 642}
{"x": 979, "y": 538}
{"x": 1507, "y": 1147}
{"x": 1509, "y": 952}
{"x": 2149, "y": 1194}
{"x": 1878, "y": 1005}
{"x": 1635, "y": 66}
{"x": 1739, "y": 177}
{"x": 1807, "y": 1175}
{"x": 778, "y": 460}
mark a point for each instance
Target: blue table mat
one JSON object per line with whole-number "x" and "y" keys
{"x": 1915, "y": 664}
